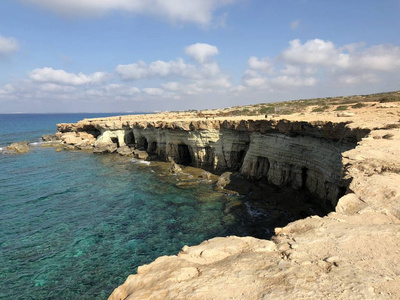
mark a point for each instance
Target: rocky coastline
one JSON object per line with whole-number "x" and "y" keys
{"x": 351, "y": 164}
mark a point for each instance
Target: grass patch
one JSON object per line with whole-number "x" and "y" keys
{"x": 389, "y": 99}
{"x": 358, "y": 105}
{"x": 341, "y": 107}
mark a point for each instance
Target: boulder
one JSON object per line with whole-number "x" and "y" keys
{"x": 124, "y": 151}
{"x": 69, "y": 147}
{"x": 105, "y": 148}
{"x": 224, "y": 180}
{"x": 345, "y": 114}
{"x": 205, "y": 175}
{"x": 50, "y": 137}
{"x": 174, "y": 168}
{"x": 19, "y": 147}
{"x": 70, "y": 138}
{"x": 350, "y": 204}
{"x": 139, "y": 154}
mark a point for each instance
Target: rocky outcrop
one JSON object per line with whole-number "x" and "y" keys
{"x": 18, "y": 147}
{"x": 354, "y": 166}
{"x": 300, "y": 154}
{"x": 315, "y": 258}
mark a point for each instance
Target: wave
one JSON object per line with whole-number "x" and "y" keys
{"x": 37, "y": 143}
{"x": 138, "y": 161}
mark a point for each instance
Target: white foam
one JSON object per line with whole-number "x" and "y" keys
{"x": 36, "y": 143}
{"x": 253, "y": 212}
{"x": 137, "y": 161}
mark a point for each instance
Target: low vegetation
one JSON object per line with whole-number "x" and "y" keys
{"x": 304, "y": 105}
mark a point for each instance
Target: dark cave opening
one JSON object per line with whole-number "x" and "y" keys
{"x": 143, "y": 144}
{"x": 129, "y": 138}
{"x": 115, "y": 141}
{"x": 152, "y": 148}
{"x": 184, "y": 157}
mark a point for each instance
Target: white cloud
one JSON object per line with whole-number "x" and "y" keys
{"x": 194, "y": 11}
{"x": 201, "y": 52}
{"x": 252, "y": 78}
{"x": 172, "y": 86}
{"x": 384, "y": 58}
{"x": 291, "y": 70}
{"x": 56, "y": 88}
{"x": 290, "y": 81}
{"x": 314, "y": 68}
{"x": 157, "y": 68}
{"x": 264, "y": 64}
{"x": 153, "y": 91}
{"x": 62, "y": 77}
{"x": 314, "y": 52}
{"x": 8, "y": 45}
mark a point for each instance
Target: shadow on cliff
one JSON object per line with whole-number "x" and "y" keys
{"x": 263, "y": 206}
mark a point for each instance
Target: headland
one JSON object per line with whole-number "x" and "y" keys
{"x": 345, "y": 151}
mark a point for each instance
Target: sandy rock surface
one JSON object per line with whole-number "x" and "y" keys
{"x": 353, "y": 253}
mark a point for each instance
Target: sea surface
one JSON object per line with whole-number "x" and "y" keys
{"x": 74, "y": 225}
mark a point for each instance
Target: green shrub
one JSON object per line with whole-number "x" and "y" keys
{"x": 358, "y": 105}
{"x": 389, "y": 99}
{"x": 341, "y": 107}
{"x": 318, "y": 109}
{"x": 266, "y": 110}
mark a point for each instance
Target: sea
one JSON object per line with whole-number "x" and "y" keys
{"x": 75, "y": 225}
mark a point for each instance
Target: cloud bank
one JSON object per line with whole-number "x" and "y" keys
{"x": 312, "y": 68}
{"x": 8, "y": 45}
{"x": 193, "y": 11}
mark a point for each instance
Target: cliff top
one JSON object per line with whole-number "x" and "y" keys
{"x": 363, "y": 111}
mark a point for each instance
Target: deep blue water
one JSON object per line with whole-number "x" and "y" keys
{"x": 74, "y": 225}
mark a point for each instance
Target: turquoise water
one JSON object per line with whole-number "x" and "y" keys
{"x": 74, "y": 225}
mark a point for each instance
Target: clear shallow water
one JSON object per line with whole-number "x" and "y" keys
{"x": 74, "y": 225}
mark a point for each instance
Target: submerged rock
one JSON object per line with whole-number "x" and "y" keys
{"x": 139, "y": 154}
{"x": 205, "y": 175}
{"x": 224, "y": 180}
{"x": 19, "y": 147}
{"x": 174, "y": 168}
{"x": 51, "y": 137}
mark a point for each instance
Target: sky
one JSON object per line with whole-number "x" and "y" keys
{"x": 157, "y": 55}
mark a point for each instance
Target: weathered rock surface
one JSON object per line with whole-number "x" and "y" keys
{"x": 19, "y": 147}
{"x": 51, "y": 137}
{"x": 224, "y": 180}
{"x": 174, "y": 168}
{"x": 315, "y": 258}
{"x": 105, "y": 148}
{"x": 295, "y": 153}
{"x": 353, "y": 253}
{"x": 125, "y": 151}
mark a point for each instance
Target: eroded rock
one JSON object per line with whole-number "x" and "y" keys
{"x": 175, "y": 168}
{"x": 105, "y": 148}
{"x": 224, "y": 180}
{"x": 19, "y": 147}
{"x": 125, "y": 151}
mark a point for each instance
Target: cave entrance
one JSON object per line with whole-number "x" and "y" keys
{"x": 143, "y": 144}
{"x": 184, "y": 157}
{"x": 115, "y": 141}
{"x": 129, "y": 138}
{"x": 153, "y": 148}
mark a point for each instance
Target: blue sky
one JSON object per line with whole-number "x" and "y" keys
{"x": 146, "y": 55}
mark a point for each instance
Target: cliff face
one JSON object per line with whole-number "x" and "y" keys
{"x": 299, "y": 154}
{"x": 353, "y": 253}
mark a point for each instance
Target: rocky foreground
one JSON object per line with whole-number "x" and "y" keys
{"x": 351, "y": 161}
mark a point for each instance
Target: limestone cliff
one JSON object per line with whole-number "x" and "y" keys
{"x": 352, "y": 253}
{"x": 300, "y": 154}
